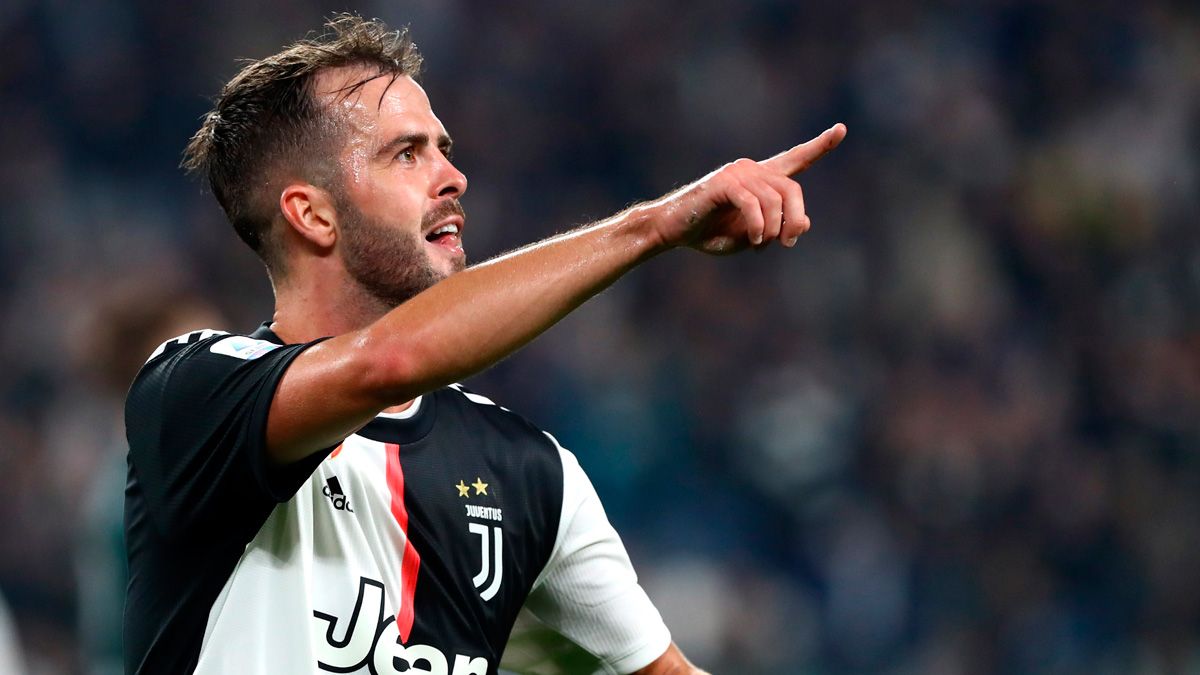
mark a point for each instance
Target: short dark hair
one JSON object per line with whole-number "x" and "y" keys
{"x": 267, "y": 120}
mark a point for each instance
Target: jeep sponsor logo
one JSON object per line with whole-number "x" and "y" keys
{"x": 369, "y": 638}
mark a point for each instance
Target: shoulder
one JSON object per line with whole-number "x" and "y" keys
{"x": 203, "y": 351}
{"x": 500, "y": 422}
{"x": 457, "y": 390}
{"x": 164, "y": 362}
{"x": 181, "y": 342}
{"x": 219, "y": 342}
{"x": 194, "y": 374}
{"x": 474, "y": 404}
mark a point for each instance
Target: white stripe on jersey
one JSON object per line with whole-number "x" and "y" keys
{"x": 186, "y": 338}
{"x": 477, "y": 398}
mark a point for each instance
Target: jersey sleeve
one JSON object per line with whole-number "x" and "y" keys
{"x": 196, "y": 418}
{"x": 588, "y": 591}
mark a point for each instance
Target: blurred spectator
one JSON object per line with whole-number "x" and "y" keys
{"x": 954, "y": 431}
{"x": 10, "y": 644}
{"x": 129, "y": 321}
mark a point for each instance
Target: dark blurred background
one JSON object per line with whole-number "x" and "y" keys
{"x": 957, "y": 430}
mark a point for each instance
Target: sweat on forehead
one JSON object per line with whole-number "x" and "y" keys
{"x": 357, "y": 87}
{"x": 377, "y": 109}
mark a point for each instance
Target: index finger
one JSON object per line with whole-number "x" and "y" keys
{"x": 802, "y": 156}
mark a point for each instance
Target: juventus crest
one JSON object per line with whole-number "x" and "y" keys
{"x": 491, "y": 561}
{"x": 491, "y": 539}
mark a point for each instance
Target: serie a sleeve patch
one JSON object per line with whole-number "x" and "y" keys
{"x": 242, "y": 347}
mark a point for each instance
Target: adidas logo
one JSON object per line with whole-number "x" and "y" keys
{"x": 333, "y": 491}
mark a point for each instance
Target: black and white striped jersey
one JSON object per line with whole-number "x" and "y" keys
{"x": 410, "y": 547}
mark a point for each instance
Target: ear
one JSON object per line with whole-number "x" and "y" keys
{"x": 309, "y": 211}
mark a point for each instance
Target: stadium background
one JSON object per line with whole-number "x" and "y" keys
{"x": 957, "y": 430}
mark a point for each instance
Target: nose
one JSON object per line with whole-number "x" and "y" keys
{"x": 451, "y": 182}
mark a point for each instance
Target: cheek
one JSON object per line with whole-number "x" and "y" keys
{"x": 391, "y": 204}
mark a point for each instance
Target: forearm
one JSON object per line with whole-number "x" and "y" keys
{"x": 474, "y": 318}
{"x": 477, "y": 317}
{"x": 450, "y": 331}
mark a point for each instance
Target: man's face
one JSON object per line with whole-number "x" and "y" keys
{"x": 400, "y": 221}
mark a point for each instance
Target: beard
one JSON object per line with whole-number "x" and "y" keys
{"x": 390, "y": 264}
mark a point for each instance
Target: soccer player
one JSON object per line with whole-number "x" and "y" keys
{"x": 319, "y": 495}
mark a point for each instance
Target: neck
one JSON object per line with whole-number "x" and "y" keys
{"x": 307, "y": 308}
{"x": 306, "y": 313}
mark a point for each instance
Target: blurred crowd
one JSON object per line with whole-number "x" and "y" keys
{"x": 956, "y": 430}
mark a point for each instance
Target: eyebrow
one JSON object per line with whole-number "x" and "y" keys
{"x": 444, "y": 143}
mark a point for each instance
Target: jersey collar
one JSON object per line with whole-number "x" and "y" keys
{"x": 264, "y": 332}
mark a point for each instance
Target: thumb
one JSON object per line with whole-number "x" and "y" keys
{"x": 802, "y": 156}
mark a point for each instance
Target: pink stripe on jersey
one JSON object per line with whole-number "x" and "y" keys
{"x": 411, "y": 561}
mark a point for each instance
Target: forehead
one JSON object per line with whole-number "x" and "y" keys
{"x": 380, "y": 107}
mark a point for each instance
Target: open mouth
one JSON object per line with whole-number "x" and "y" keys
{"x": 447, "y": 234}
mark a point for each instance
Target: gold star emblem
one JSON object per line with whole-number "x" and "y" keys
{"x": 462, "y": 488}
{"x": 480, "y": 486}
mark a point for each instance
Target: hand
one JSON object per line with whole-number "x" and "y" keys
{"x": 744, "y": 203}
